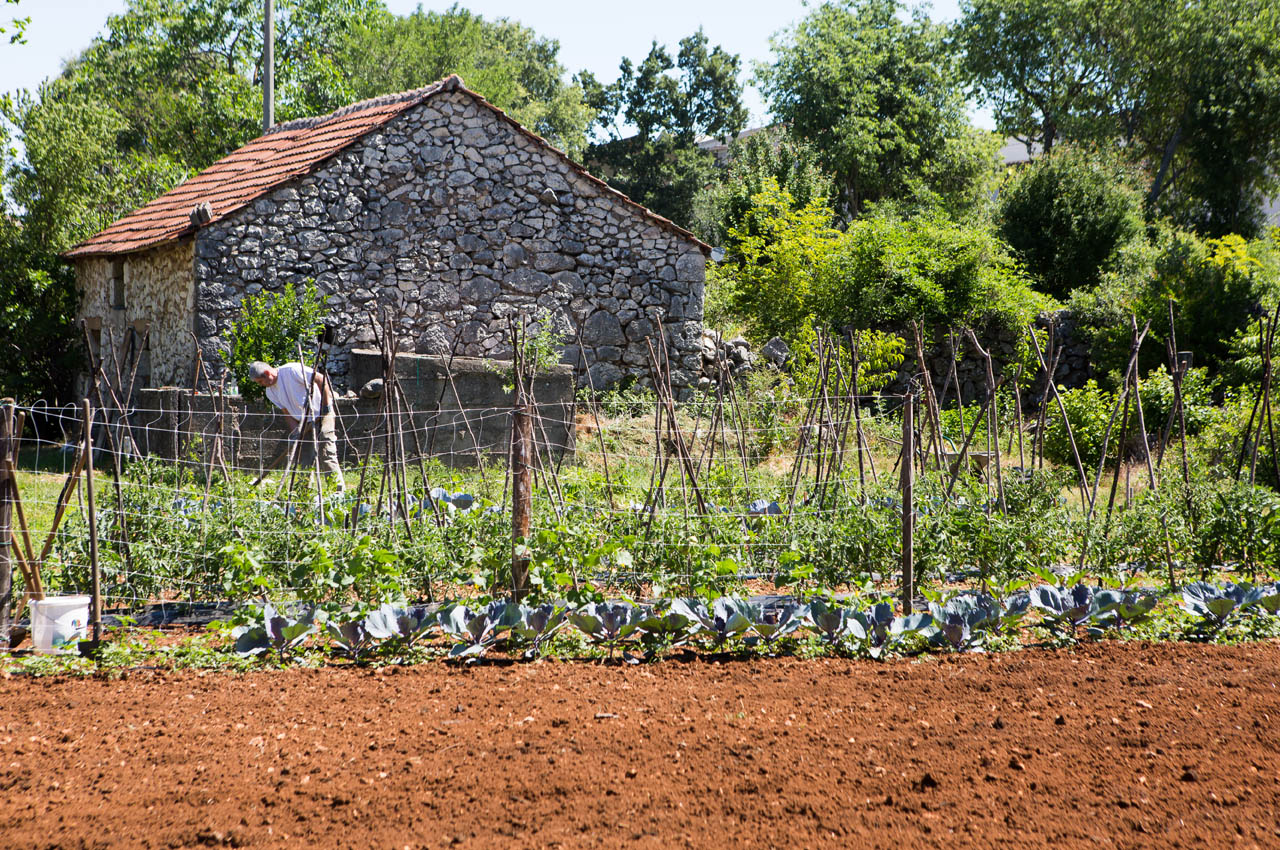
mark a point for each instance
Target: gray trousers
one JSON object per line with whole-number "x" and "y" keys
{"x": 326, "y": 439}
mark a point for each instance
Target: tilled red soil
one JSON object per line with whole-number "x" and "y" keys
{"x": 1117, "y": 745}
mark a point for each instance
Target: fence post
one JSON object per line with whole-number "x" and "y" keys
{"x": 6, "y": 522}
{"x": 521, "y": 488}
{"x": 908, "y": 501}
{"x": 95, "y": 600}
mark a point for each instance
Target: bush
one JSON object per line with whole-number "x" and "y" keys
{"x": 772, "y": 153}
{"x": 1088, "y": 410}
{"x": 271, "y": 327}
{"x": 885, "y": 272}
{"x": 790, "y": 269}
{"x": 782, "y": 250}
{"x": 1217, "y": 286}
{"x": 1067, "y": 216}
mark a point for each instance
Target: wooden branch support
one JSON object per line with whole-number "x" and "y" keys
{"x": 521, "y": 479}
{"x": 8, "y": 544}
{"x": 95, "y": 612}
{"x": 908, "y": 470}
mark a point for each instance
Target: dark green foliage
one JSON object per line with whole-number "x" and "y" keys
{"x": 512, "y": 66}
{"x": 878, "y": 98}
{"x": 663, "y": 173}
{"x": 661, "y": 166}
{"x": 1218, "y": 286}
{"x": 770, "y": 153}
{"x": 1066, "y": 217}
{"x": 72, "y": 182}
{"x": 271, "y": 327}
{"x": 1188, "y": 91}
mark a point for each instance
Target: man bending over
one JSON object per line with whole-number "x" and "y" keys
{"x": 305, "y": 397}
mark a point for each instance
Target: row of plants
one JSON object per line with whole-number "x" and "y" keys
{"x": 960, "y": 622}
{"x": 238, "y": 544}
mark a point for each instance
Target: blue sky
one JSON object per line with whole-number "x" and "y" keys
{"x": 594, "y": 35}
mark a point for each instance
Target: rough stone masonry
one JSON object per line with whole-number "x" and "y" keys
{"x": 456, "y": 218}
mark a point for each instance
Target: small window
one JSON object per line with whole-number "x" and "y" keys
{"x": 117, "y": 284}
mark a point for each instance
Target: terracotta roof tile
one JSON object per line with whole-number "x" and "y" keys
{"x": 286, "y": 151}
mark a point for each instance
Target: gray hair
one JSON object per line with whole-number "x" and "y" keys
{"x": 257, "y": 369}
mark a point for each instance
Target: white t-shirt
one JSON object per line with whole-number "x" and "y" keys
{"x": 289, "y": 392}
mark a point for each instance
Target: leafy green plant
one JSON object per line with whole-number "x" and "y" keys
{"x": 608, "y": 623}
{"x": 270, "y": 327}
{"x": 407, "y": 625}
{"x": 277, "y": 630}
{"x": 1088, "y": 410}
{"x": 476, "y": 630}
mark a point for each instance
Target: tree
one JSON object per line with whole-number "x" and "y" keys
{"x": 1068, "y": 215}
{"x": 771, "y": 153}
{"x": 508, "y": 63}
{"x": 1041, "y": 65}
{"x": 171, "y": 86}
{"x": 1189, "y": 91}
{"x": 878, "y": 97}
{"x": 72, "y": 182}
{"x": 661, "y": 165}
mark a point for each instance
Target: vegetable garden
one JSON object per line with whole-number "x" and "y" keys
{"x": 795, "y": 513}
{"x": 717, "y": 568}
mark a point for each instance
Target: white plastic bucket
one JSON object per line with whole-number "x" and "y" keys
{"x": 58, "y": 622}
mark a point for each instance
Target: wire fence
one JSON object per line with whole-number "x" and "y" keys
{"x": 202, "y": 498}
{"x": 176, "y": 496}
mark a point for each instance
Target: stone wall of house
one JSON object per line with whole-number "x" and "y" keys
{"x": 159, "y": 291}
{"x": 455, "y": 219}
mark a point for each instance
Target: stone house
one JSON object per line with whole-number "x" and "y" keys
{"x": 431, "y": 202}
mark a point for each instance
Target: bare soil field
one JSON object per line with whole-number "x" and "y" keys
{"x": 1111, "y": 745}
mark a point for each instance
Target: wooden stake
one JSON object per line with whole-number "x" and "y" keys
{"x": 1066, "y": 422}
{"x": 521, "y": 483}
{"x": 8, "y": 544}
{"x": 908, "y": 469}
{"x": 95, "y": 613}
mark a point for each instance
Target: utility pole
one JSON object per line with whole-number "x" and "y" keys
{"x": 268, "y": 65}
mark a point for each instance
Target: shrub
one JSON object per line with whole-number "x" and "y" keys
{"x": 781, "y": 251}
{"x": 772, "y": 153}
{"x": 271, "y": 326}
{"x": 887, "y": 271}
{"x": 1088, "y": 410}
{"x": 1067, "y": 216}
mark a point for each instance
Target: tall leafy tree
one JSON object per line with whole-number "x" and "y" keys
{"x": 1042, "y": 65}
{"x": 1188, "y": 90}
{"x": 510, "y": 64}
{"x": 878, "y": 96}
{"x": 670, "y": 104}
